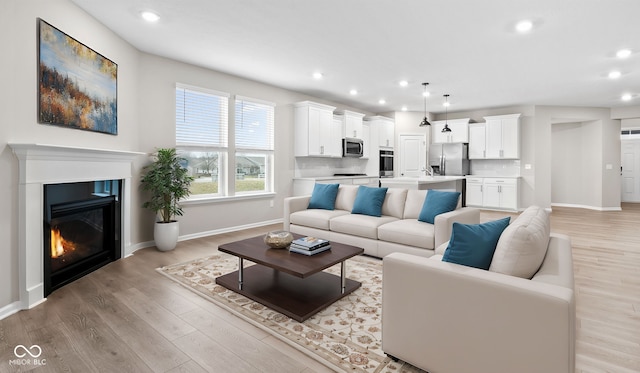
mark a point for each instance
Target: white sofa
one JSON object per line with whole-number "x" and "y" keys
{"x": 449, "y": 318}
{"x": 397, "y": 230}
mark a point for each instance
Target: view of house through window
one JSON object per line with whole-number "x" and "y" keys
{"x": 203, "y": 139}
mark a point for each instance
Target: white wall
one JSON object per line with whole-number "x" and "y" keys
{"x": 146, "y": 104}
{"x": 18, "y": 100}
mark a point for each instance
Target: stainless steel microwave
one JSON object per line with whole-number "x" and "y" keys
{"x": 352, "y": 147}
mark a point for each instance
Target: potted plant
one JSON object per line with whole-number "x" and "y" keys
{"x": 167, "y": 181}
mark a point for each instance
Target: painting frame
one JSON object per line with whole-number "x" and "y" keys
{"x": 77, "y": 86}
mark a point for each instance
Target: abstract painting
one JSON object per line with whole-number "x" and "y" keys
{"x": 77, "y": 87}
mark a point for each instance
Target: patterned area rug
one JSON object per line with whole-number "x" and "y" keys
{"x": 345, "y": 336}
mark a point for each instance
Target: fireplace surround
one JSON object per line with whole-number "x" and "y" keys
{"x": 40, "y": 165}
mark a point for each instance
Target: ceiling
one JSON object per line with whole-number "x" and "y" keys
{"x": 468, "y": 49}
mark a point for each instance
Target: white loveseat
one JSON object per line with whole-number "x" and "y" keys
{"x": 397, "y": 230}
{"x": 449, "y": 318}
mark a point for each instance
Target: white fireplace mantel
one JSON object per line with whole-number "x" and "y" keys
{"x": 42, "y": 164}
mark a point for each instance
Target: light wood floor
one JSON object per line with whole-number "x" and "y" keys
{"x": 127, "y": 318}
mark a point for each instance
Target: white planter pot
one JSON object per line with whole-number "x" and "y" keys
{"x": 166, "y": 235}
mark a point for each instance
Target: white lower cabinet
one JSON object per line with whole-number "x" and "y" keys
{"x": 493, "y": 193}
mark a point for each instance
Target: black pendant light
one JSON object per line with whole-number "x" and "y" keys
{"x": 425, "y": 122}
{"x": 446, "y": 114}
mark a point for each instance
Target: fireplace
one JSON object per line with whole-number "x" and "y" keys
{"x": 81, "y": 229}
{"x": 41, "y": 165}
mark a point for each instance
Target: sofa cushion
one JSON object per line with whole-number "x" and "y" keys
{"x": 393, "y": 204}
{"x": 315, "y": 218}
{"x": 473, "y": 245}
{"x": 369, "y": 201}
{"x": 523, "y": 244}
{"x": 323, "y": 196}
{"x": 438, "y": 202}
{"x": 409, "y": 232}
{"x": 413, "y": 205}
{"x": 359, "y": 225}
{"x": 346, "y": 196}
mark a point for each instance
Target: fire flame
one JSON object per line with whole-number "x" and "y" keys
{"x": 58, "y": 243}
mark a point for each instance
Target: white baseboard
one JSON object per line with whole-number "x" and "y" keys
{"x": 192, "y": 236}
{"x": 227, "y": 230}
{"x": 587, "y": 207}
{"x": 10, "y": 309}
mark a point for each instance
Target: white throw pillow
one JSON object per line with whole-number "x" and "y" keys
{"x": 523, "y": 244}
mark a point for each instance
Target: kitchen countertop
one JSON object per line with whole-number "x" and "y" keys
{"x": 493, "y": 176}
{"x": 334, "y": 177}
{"x": 422, "y": 179}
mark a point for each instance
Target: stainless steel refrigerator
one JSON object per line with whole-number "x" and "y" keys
{"x": 449, "y": 159}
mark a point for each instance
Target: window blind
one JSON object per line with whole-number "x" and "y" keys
{"x": 201, "y": 118}
{"x": 254, "y": 124}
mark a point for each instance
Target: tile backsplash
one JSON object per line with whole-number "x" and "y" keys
{"x": 495, "y": 167}
{"x": 312, "y": 167}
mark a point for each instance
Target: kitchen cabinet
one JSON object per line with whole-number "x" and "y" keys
{"x": 382, "y": 129}
{"x": 459, "y": 131}
{"x": 351, "y": 123}
{"x": 304, "y": 186}
{"x": 502, "y": 137}
{"x": 493, "y": 193}
{"x": 366, "y": 138}
{"x": 315, "y": 132}
{"x": 500, "y": 193}
{"x": 477, "y": 140}
{"x": 474, "y": 191}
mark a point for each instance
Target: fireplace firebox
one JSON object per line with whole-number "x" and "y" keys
{"x": 81, "y": 230}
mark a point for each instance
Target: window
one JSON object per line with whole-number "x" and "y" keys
{"x": 202, "y": 137}
{"x": 225, "y": 162}
{"x": 254, "y": 125}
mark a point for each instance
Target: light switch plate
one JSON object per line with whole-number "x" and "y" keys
{"x": 527, "y": 166}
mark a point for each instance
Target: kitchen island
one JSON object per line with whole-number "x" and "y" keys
{"x": 457, "y": 183}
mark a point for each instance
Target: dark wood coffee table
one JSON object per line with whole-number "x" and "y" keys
{"x": 292, "y": 284}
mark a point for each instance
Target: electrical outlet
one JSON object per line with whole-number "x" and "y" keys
{"x": 609, "y": 166}
{"x": 527, "y": 166}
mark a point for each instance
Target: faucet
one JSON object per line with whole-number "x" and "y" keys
{"x": 428, "y": 171}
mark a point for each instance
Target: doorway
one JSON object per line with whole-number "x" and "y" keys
{"x": 630, "y": 170}
{"x": 413, "y": 154}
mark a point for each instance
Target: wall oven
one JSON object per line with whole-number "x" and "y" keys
{"x": 386, "y": 163}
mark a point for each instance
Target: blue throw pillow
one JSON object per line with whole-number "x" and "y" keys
{"x": 324, "y": 196}
{"x": 473, "y": 245}
{"x": 369, "y": 201}
{"x": 437, "y": 202}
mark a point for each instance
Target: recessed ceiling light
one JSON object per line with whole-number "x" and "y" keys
{"x": 524, "y": 26}
{"x": 353, "y": 92}
{"x": 623, "y": 53}
{"x": 382, "y": 101}
{"x": 614, "y": 74}
{"x": 317, "y": 75}
{"x": 404, "y": 108}
{"x": 150, "y": 16}
{"x": 626, "y": 97}
{"x": 403, "y": 83}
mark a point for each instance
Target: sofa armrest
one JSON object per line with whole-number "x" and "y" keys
{"x": 433, "y": 311}
{"x": 443, "y": 223}
{"x": 291, "y": 205}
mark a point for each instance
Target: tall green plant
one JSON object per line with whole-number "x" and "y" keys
{"x": 168, "y": 181}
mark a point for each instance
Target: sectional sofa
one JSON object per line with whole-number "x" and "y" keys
{"x": 396, "y": 230}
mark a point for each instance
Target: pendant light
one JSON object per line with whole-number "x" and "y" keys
{"x": 446, "y": 114}
{"x": 425, "y": 122}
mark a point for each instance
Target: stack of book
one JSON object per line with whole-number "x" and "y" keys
{"x": 309, "y": 245}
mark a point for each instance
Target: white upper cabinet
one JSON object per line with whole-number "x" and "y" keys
{"x": 366, "y": 138}
{"x": 477, "y": 140}
{"x": 502, "y": 137}
{"x": 382, "y": 129}
{"x": 316, "y": 134}
{"x": 351, "y": 123}
{"x": 459, "y": 131}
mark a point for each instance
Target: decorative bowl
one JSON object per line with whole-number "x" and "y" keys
{"x": 278, "y": 239}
